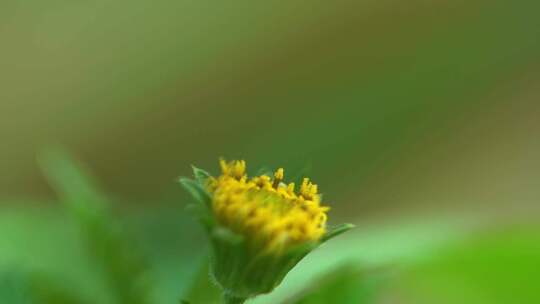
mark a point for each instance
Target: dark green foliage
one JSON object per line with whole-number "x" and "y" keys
{"x": 19, "y": 287}
{"x": 15, "y": 288}
{"x": 490, "y": 268}
{"x": 122, "y": 265}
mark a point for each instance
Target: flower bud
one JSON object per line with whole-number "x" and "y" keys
{"x": 259, "y": 227}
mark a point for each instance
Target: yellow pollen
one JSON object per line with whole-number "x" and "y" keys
{"x": 267, "y": 211}
{"x": 278, "y": 177}
{"x": 279, "y": 174}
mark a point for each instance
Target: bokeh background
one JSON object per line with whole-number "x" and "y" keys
{"x": 419, "y": 120}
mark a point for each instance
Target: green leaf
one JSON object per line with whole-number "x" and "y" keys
{"x": 76, "y": 188}
{"x": 15, "y": 288}
{"x": 335, "y": 231}
{"x": 497, "y": 267}
{"x": 344, "y": 285}
{"x": 46, "y": 290}
{"x": 21, "y": 287}
{"x": 122, "y": 265}
{"x": 372, "y": 246}
{"x": 202, "y": 289}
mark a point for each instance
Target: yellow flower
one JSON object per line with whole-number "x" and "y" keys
{"x": 266, "y": 210}
{"x": 259, "y": 227}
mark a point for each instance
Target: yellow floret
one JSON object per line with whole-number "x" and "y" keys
{"x": 267, "y": 211}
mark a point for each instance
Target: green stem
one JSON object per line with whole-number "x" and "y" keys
{"x": 230, "y": 299}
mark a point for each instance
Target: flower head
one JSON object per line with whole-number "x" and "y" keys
{"x": 265, "y": 209}
{"x": 260, "y": 227}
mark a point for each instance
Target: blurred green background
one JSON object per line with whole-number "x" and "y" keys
{"x": 419, "y": 120}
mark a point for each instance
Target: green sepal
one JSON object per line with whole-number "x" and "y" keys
{"x": 243, "y": 271}
{"x": 196, "y": 190}
{"x": 289, "y": 260}
{"x": 232, "y": 299}
{"x": 335, "y": 231}
{"x": 200, "y": 175}
{"x": 226, "y": 235}
{"x": 228, "y": 254}
{"x": 202, "y": 214}
{"x": 202, "y": 210}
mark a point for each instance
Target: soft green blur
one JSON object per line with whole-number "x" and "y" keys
{"x": 418, "y": 119}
